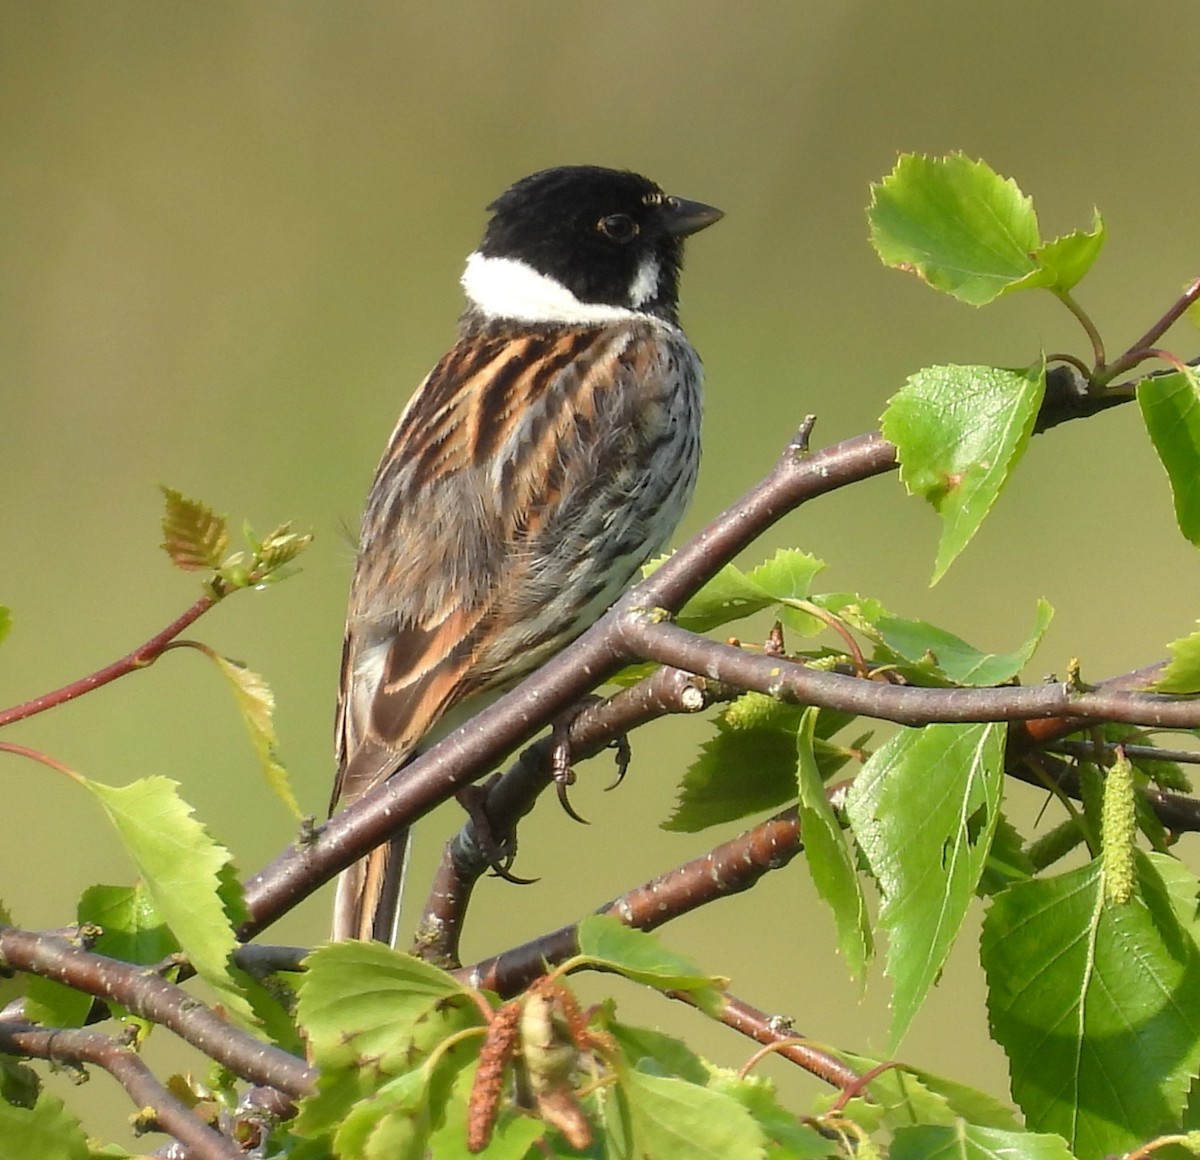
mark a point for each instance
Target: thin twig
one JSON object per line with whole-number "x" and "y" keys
{"x": 728, "y": 869}
{"x": 142, "y": 656}
{"x": 73, "y": 1046}
{"x": 154, "y": 998}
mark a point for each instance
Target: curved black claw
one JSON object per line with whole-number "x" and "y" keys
{"x": 499, "y": 870}
{"x": 564, "y": 800}
{"x": 624, "y": 755}
{"x": 561, "y": 769}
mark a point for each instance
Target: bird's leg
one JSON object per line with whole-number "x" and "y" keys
{"x": 498, "y": 851}
{"x": 561, "y": 768}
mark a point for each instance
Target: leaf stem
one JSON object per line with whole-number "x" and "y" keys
{"x": 140, "y": 658}
{"x": 1084, "y": 319}
{"x": 1137, "y": 350}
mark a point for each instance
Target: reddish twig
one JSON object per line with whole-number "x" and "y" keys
{"x": 140, "y": 658}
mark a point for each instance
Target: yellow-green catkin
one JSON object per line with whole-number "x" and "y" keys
{"x": 1118, "y": 830}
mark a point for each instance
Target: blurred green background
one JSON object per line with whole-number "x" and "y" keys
{"x": 230, "y": 237}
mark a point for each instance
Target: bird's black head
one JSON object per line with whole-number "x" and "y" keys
{"x": 609, "y": 237}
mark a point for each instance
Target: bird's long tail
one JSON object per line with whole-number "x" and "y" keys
{"x": 367, "y": 903}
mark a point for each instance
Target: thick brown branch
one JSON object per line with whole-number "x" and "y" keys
{"x": 72, "y": 1046}
{"x": 650, "y": 637}
{"x": 478, "y": 746}
{"x": 636, "y": 629}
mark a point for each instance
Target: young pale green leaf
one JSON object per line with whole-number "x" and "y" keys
{"x": 955, "y": 223}
{"x": 186, "y": 874}
{"x": 903, "y": 1095}
{"x": 673, "y": 1120}
{"x": 1170, "y": 406}
{"x": 1062, "y": 263}
{"x": 132, "y": 930}
{"x": 788, "y": 575}
{"x": 256, "y": 703}
{"x": 729, "y": 595}
{"x": 55, "y": 1004}
{"x": 789, "y": 1137}
{"x": 5, "y": 622}
{"x": 830, "y": 860}
{"x": 1182, "y": 674}
{"x": 194, "y": 536}
{"x": 513, "y": 1138}
{"x": 924, "y": 809}
{"x": 47, "y": 1131}
{"x": 963, "y": 1141}
{"x": 362, "y": 1001}
{"x": 739, "y": 772}
{"x": 606, "y": 942}
{"x": 959, "y": 432}
{"x": 1097, "y": 1006}
{"x": 393, "y": 1122}
{"x": 665, "y": 1053}
{"x": 278, "y": 549}
{"x": 916, "y": 642}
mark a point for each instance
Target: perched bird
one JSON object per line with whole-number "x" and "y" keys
{"x": 549, "y": 453}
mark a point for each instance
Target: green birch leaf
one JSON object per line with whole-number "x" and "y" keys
{"x": 1170, "y": 406}
{"x": 955, "y": 223}
{"x": 903, "y": 1095}
{"x": 739, "y": 772}
{"x": 256, "y": 703}
{"x": 963, "y": 1141}
{"x": 729, "y": 595}
{"x": 790, "y": 1139}
{"x": 364, "y": 1002}
{"x": 924, "y": 809}
{"x": 830, "y": 860}
{"x": 959, "y": 432}
{"x": 608, "y": 943}
{"x": 5, "y": 622}
{"x": 19, "y": 1085}
{"x": 665, "y": 1053}
{"x": 1097, "y": 1006}
{"x": 134, "y": 930}
{"x": 46, "y": 1131}
{"x": 1062, "y": 263}
{"x": 194, "y": 536}
{"x": 186, "y": 873}
{"x": 788, "y": 575}
{"x": 1008, "y": 861}
{"x": 673, "y": 1120}
{"x": 1182, "y": 673}
{"x": 916, "y": 641}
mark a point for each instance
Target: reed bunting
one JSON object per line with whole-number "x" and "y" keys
{"x": 551, "y": 452}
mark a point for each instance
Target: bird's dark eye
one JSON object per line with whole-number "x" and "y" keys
{"x": 618, "y": 226}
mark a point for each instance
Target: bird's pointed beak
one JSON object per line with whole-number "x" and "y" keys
{"x": 682, "y": 217}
